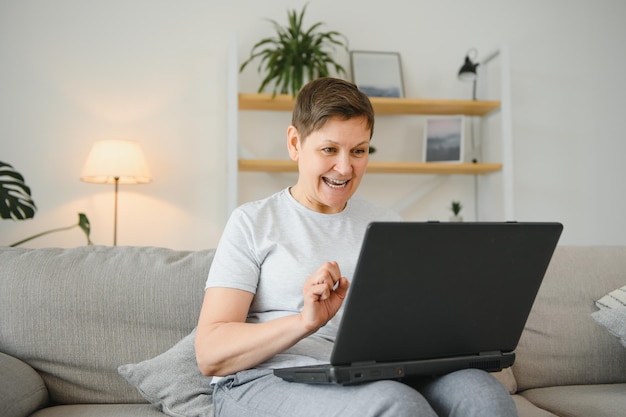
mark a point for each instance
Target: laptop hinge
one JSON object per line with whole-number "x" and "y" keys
{"x": 490, "y": 353}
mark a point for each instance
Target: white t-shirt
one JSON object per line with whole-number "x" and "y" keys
{"x": 271, "y": 246}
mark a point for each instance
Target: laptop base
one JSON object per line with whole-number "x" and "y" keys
{"x": 368, "y": 372}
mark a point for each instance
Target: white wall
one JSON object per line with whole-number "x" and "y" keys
{"x": 73, "y": 72}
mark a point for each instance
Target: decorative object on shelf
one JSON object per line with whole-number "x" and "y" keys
{"x": 83, "y": 224}
{"x": 456, "y": 207}
{"x": 377, "y": 74}
{"x": 116, "y": 162}
{"x": 468, "y": 72}
{"x": 15, "y": 200}
{"x": 296, "y": 55}
{"x": 443, "y": 139}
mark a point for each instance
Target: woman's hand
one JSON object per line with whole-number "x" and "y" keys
{"x": 324, "y": 292}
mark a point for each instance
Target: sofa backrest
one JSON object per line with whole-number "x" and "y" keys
{"x": 561, "y": 343}
{"x": 76, "y": 314}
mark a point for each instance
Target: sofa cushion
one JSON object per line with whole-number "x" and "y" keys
{"x": 527, "y": 409}
{"x": 561, "y": 344}
{"x": 173, "y": 382}
{"x": 22, "y": 390}
{"x": 100, "y": 410}
{"x": 601, "y": 400}
{"x": 76, "y": 314}
{"x": 507, "y": 379}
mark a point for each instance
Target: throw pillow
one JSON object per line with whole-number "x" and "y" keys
{"x": 612, "y": 313}
{"x": 614, "y": 299}
{"x": 614, "y": 320}
{"x": 172, "y": 381}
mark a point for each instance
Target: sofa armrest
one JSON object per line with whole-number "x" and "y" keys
{"x": 22, "y": 391}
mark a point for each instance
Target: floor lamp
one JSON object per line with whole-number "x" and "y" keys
{"x": 116, "y": 162}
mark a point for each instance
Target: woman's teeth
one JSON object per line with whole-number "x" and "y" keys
{"x": 335, "y": 183}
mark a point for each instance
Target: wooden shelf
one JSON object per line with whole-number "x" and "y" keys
{"x": 271, "y": 165}
{"x": 387, "y": 106}
{"x": 382, "y": 105}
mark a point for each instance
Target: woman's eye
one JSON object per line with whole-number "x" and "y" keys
{"x": 328, "y": 150}
{"x": 360, "y": 151}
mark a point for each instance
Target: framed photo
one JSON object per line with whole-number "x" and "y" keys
{"x": 443, "y": 139}
{"x": 377, "y": 74}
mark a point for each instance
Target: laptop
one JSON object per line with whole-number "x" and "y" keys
{"x": 429, "y": 298}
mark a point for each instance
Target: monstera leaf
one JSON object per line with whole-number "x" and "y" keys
{"x": 15, "y": 200}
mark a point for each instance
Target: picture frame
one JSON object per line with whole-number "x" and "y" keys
{"x": 443, "y": 139}
{"x": 377, "y": 74}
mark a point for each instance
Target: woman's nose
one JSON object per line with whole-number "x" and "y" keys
{"x": 343, "y": 164}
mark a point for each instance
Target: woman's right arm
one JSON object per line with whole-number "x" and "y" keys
{"x": 226, "y": 344}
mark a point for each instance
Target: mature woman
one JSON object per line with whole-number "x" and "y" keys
{"x": 282, "y": 270}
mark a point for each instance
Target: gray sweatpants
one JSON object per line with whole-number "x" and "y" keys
{"x": 258, "y": 393}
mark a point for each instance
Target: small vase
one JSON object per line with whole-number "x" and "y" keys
{"x": 456, "y": 218}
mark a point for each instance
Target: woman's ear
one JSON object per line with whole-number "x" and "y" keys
{"x": 293, "y": 143}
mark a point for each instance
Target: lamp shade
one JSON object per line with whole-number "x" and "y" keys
{"x": 468, "y": 71}
{"x": 114, "y": 159}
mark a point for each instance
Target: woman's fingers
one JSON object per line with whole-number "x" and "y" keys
{"x": 324, "y": 280}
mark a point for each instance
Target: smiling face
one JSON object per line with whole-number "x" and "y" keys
{"x": 331, "y": 162}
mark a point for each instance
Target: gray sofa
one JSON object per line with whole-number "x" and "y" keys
{"x": 106, "y": 331}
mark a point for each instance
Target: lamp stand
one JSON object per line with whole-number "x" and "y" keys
{"x": 474, "y": 90}
{"x": 117, "y": 181}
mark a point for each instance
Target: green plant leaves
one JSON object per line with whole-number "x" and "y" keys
{"x": 15, "y": 199}
{"x": 295, "y": 55}
{"x": 85, "y": 226}
{"x": 17, "y": 204}
{"x": 456, "y": 207}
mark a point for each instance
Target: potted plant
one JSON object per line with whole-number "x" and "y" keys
{"x": 16, "y": 203}
{"x": 295, "y": 55}
{"x": 456, "y": 207}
